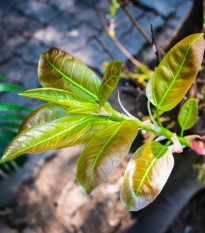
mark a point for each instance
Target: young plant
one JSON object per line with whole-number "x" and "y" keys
{"x": 78, "y": 113}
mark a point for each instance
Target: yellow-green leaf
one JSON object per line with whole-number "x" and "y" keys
{"x": 188, "y": 114}
{"x": 176, "y": 72}
{"x": 104, "y": 152}
{"x": 47, "y": 112}
{"x": 110, "y": 80}
{"x": 61, "y": 70}
{"x": 53, "y": 95}
{"x": 48, "y": 136}
{"x": 146, "y": 175}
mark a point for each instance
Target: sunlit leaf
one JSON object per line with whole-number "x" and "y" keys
{"x": 176, "y": 72}
{"x": 104, "y": 153}
{"x": 7, "y": 87}
{"x": 146, "y": 175}
{"x": 110, "y": 80}
{"x": 188, "y": 114}
{"x": 47, "y": 136}
{"x": 53, "y": 95}
{"x": 43, "y": 114}
{"x": 59, "y": 69}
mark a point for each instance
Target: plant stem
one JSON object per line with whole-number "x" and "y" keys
{"x": 163, "y": 131}
{"x": 150, "y": 127}
{"x": 150, "y": 112}
{"x": 182, "y": 133}
{"x": 158, "y": 120}
{"x": 113, "y": 37}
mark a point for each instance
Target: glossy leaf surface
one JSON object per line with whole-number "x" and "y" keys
{"x": 176, "y": 72}
{"x": 59, "y": 69}
{"x": 104, "y": 153}
{"x": 110, "y": 80}
{"x": 43, "y": 114}
{"x": 146, "y": 175}
{"x": 47, "y": 136}
{"x": 53, "y": 95}
{"x": 188, "y": 114}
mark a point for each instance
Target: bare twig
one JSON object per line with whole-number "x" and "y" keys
{"x": 113, "y": 37}
{"x": 154, "y": 46}
{"x": 138, "y": 26}
{"x": 106, "y": 50}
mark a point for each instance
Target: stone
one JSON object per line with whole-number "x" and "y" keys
{"x": 9, "y": 45}
{"x": 30, "y": 51}
{"x": 15, "y": 21}
{"x": 24, "y": 75}
{"x": 28, "y": 230}
{"x": 164, "y": 8}
{"x": 5, "y": 229}
{"x": 43, "y": 12}
{"x": 6, "y": 6}
{"x": 180, "y": 13}
{"x": 63, "y": 4}
{"x": 93, "y": 56}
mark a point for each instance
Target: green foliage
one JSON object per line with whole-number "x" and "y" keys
{"x": 176, "y": 72}
{"x": 146, "y": 175}
{"x": 188, "y": 114}
{"x": 78, "y": 113}
{"x": 59, "y": 69}
{"x": 109, "y": 82}
{"x": 9, "y": 124}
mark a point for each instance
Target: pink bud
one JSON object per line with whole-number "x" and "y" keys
{"x": 199, "y": 147}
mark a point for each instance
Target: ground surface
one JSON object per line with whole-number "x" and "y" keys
{"x": 30, "y": 199}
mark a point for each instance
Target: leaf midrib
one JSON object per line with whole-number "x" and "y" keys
{"x": 98, "y": 155}
{"x": 145, "y": 175}
{"x": 56, "y": 135}
{"x": 177, "y": 74}
{"x": 73, "y": 82}
{"x": 188, "y": 116}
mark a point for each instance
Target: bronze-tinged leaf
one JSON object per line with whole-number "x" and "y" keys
{"x": 104, "y": 153}
{"x": 146, "y": 175}
{"x": 176, "y": 72}
{"x": 48, "y": 136}
{"x": 43, "y": 114}
{"x": 53, "y": 95}
{"x": 188, "y": 114}
{"x": 110, "y": 80}
{"x": 61, "y": 70}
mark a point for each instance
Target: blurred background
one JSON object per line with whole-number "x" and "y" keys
{"x": 39, "y": 193}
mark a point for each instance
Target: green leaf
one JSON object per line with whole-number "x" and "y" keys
{"x": 11, "y": 117}
{"x": 47, "y": 136}
{"x": 7, "y": 87}
{"x": 146, "y": 175}
{"x": 4, "y": 107}
{"x": 53, "y": 95}
{"x": 104, "y": 153}
{"x": 62, "y": 97}
{"x": 110, "y": 80}
{"x": 43, "y": 114}
{"x": 2, "y": 77}
{"x": 188, "y": 114}
{"x": 59, "y": 69}
{"x": 176, "y": 72}
{"x": 9, "y": 125}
